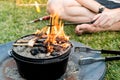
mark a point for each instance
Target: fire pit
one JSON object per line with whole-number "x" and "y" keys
{"x": 43, "y": 55}
{"x": 94, "y": 71}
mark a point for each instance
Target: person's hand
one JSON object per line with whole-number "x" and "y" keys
{"x": 106, "y": 18}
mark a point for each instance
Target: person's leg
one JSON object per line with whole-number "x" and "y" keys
{"x": 87, "y": 28}
{"x": 70, "y": 10}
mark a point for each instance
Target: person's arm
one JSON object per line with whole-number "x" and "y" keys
{"x": 91, "y": 5}
{"x": 107, "y": 18}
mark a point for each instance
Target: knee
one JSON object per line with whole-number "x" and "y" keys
{"x": 50, "y": 6}
{"x": 54, "y": 6}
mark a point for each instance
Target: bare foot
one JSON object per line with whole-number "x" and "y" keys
{"x": 90, "y": 28}
{"x": 87, "y": 28}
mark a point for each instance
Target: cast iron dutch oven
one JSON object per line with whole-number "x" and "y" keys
{"x": 42, "y": 69}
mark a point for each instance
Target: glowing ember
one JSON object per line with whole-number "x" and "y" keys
{"x": 55, "y": 34}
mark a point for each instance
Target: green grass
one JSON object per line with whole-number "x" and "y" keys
{"x": 13, "y": 25}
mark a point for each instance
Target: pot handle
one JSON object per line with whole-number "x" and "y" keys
{"x": 10, "y": 52}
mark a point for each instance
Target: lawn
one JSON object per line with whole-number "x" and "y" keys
{"x": 13, "y": 25}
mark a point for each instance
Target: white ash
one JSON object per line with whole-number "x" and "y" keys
{"x": 13, "y": 74}
{"x": 21, "y": 48}
{"x": 72, "y": 70}
{"x": 25, "y": 51}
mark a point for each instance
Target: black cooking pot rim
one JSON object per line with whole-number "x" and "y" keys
{"x": 43, "y": 60}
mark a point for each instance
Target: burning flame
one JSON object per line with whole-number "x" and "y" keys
{"x": 55, "y": 33}
{"x": 37, "y": 7}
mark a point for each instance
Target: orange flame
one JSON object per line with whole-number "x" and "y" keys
{"x": 55, "y": 33}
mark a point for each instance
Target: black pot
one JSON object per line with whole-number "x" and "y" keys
{"x": 42, "y": 69}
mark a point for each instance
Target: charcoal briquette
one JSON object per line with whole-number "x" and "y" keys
{"x": 34, "y": 51}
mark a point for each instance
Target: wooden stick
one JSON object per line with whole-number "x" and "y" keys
{"x": 40, "y": 19}
{"x": 22, "y": 41}
{"x": 50, "y": 24}
{"x": 32, "y": 41}
{"x": 48, "y": 54}
{"x": 29, "y": 43}
{"x": 26, "y": 44}
{"x": 19, "y": 44}
{"x": 75, "y": 23}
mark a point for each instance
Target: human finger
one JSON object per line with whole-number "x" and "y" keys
{"x": 99, "y": 22}
{"x": 96, "y": 17}
{"x": 78, "y": 30}
{"x": 103, "y": 23}
{"x": 108, "y": 24}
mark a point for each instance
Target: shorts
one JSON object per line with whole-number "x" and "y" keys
{"x": 109, "y": 4}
